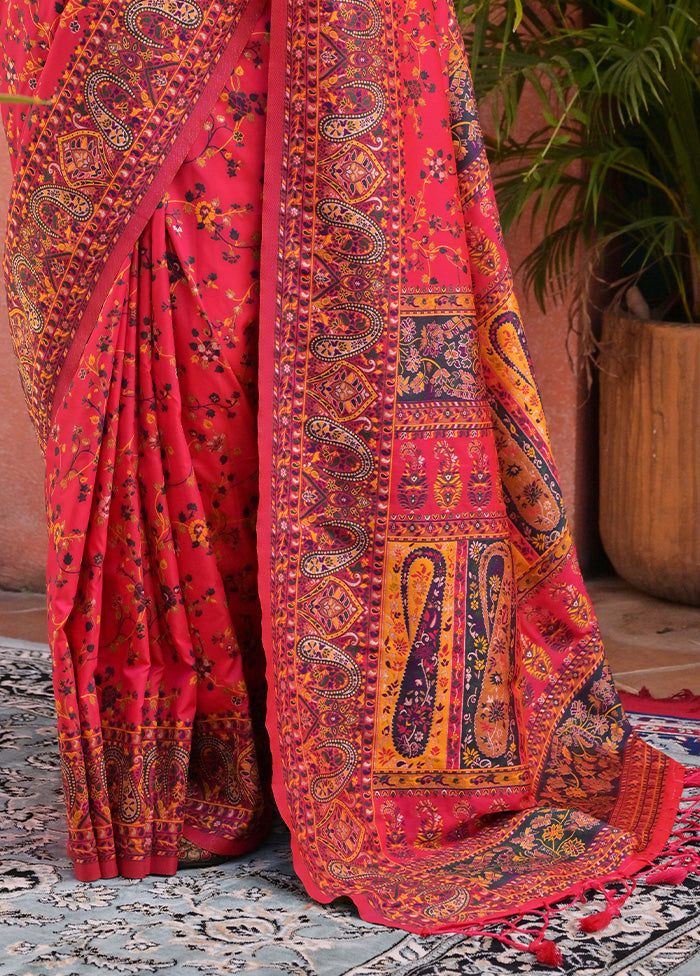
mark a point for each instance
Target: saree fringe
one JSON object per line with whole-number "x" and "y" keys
{"x": 679, "y": 858}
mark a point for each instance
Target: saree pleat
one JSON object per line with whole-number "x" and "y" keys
{"x": 152, "y": 501}
{"x": 385, "y": 626}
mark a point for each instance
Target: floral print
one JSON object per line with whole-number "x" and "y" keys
{"x": 152, "y": 498}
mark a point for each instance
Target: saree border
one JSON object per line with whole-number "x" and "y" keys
{"x": 66, "y": 241}
{"x": 285, "y": 252}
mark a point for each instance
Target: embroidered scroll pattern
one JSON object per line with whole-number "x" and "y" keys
{"x": 122, "y": 100}
{"x": 415, "y": 506}
{"x": 340, "y": 216}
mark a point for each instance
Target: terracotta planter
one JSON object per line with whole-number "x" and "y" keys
{"x": 650, "y": 455}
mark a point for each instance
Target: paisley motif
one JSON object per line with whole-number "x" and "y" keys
{"x": 211, "y": 761}
{"x": 184, "y": 13}
{"x": 46, "y": 199}
{"x": 505, "y": 333}
{"x": 528, "y": 493}
{"x": 165, "y": 773}
{"x": 342, "y": 675}
{"x": 326, "y": 786}
{"x": 69, "y": 786}
{"x": 23, "y": 273}
{"x": 329, "y": 561}
{"x": 493, "y": 714}
{"x": 413, "y": 713}
{"x": 126, "y": 790}
{"x": 449, "y": 907}
{"x": 327, "y": 431}
{"x": 330, "y": 348}
{"x": 102, "y": 89}
{"x": 360, "y": 18}
{"x": 351, "y": 125}
{"x": 359, "y": 227}
{"x": 247, "y": 770}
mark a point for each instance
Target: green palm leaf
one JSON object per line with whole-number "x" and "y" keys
{"x": 614, "y": 164}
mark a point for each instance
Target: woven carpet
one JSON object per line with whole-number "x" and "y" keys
{"x": 252, "y": 915}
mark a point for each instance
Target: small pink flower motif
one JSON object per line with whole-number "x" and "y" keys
{"x": 451, "y": 356}
{"x": 432, "y": 339}
{"x": 438, "y": 169}
{"x": 413, "y": 360}
{"x": 103, "y": 507}
{"x": 209, "y": 351}
{"x": 408, "y": 330}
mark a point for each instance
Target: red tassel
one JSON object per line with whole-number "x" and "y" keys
{"x": 596, "y": 922}
{"x": 667, "y": 876}
{"x": 547, "y": 953}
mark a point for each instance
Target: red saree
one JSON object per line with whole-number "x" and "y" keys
{"x": 447, "y": 744}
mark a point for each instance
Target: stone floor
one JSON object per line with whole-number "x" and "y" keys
{"x": 23, "y": 616}
{"x": 650, "y": 643}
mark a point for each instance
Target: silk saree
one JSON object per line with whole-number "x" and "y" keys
{"x": 306, "y": 536}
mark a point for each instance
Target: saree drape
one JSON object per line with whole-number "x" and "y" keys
{"x": 447, "y": 744}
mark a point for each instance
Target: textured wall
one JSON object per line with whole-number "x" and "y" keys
{"x": 570, "y": 418}
{"x": 22, "y": 522}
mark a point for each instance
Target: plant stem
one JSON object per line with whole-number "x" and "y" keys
{"x": 23, "y": 99}
{"x": 630, "y": 6}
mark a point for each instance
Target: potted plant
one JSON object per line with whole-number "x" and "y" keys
{"x": 613, "y": 176}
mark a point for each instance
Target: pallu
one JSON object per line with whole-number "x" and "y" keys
{"x": 306, "y": 536}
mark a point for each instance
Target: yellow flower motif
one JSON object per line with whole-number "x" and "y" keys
{"x": 205, "y": 212}
{"x": 198, "y": 531}
{"x": 573, "y": 847}
{"x": 555, "y": 831}
{"x": 57, "y": 533}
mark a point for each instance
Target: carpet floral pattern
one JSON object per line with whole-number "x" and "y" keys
{"x": 252, "y": 915}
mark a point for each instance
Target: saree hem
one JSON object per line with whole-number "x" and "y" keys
{"x": 125, "y": 868}
{"x": 628, "y": 870}
{"x": 664, "y": 826}
{"x": 223, "y": 845}
{"x": 95, "y": 870}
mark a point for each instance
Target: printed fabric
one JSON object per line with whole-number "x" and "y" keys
{"x": 307, "y": 539}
